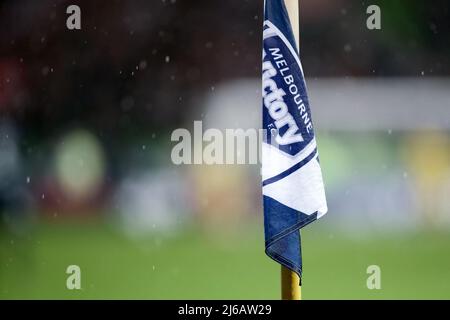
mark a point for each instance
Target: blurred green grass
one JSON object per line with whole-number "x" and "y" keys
{"x": 197, "y": 265}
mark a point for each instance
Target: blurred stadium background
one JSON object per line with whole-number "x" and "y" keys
{"x": 85, "y": 170}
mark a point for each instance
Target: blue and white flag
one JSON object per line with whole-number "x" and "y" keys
{"x": 292, "y": 185}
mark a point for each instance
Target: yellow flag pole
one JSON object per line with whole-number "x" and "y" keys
{"x": 290, "y": 288}
{"x": 292, "y": 7}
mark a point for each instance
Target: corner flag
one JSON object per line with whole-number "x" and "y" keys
{"x": 292, "y": 186}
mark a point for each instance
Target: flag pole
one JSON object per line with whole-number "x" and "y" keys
{"x": 290, "y": 288}
{"x": 292, "y": 7}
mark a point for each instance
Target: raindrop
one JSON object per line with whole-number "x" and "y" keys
{"x": 143, "y": 64}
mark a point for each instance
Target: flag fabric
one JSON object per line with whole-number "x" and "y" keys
{"x": 292, "y": 186}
